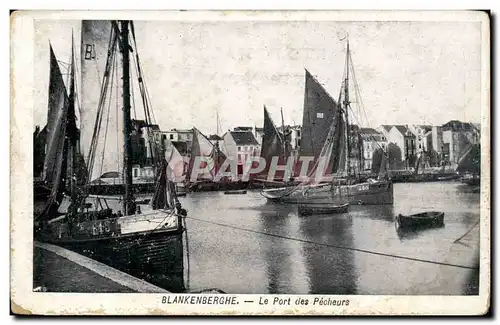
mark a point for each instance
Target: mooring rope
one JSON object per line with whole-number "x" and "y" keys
{"x": 414, "y": 259}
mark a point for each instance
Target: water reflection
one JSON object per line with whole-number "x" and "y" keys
{"x": 373, "y": 212}
{"x": 331, "y": 270}
{"x": 412, "y": 233}
{"x": 285, "y": 271}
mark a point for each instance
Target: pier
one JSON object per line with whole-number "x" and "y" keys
{"x": 57, "y": 269}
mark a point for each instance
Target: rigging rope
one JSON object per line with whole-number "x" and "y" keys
{"x": 98, "y": 121}
{"x": 361, "y": 106}
{"x": 146, "y": 101}
{"x": 107, "y": 120}
{"x": 414, "y": 259}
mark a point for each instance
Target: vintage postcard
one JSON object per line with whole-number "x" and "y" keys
{"x": 250, "y": 163}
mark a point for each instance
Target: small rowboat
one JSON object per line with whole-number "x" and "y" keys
{"x": 431, "y": 218}
{"x": 236, "y": 192}
{"x": 322, "y": 208}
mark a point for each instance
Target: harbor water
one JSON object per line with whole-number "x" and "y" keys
{"x": 243, "y": 244}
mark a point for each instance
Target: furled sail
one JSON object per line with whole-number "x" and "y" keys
{"x": 318, "y": 115}
{"x": 101, "y": 74}
{"x": 54, "y": 167}
{"x": 164, "y": 196}
{"x": 207, "y": 155}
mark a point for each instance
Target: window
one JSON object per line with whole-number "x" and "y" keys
{"x": 455, "y": 147}
{"x": 164, "y": 136}
{"x": 239, "y": 148}
{"x": 135, "y": 172}
{"x": 171, "y": 137}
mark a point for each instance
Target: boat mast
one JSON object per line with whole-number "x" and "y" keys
{"x": 284, "y": 135}
{"x": 73, "y": 130}
{"x": 346, "y": 108}
{"x": 216, "y": 142}
{"x": 127, "y": 127}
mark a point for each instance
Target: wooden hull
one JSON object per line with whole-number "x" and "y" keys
{"x": 311, "y": 209}
{"x": 427, "y": 219}
{"x": 154, "y": 255}
{"x": 426, "y": 177}
{"x": 236, "y": 192}
{"x": 119, "y": 189}
{"x": 471, "y": 180}
{"x": 377, "y": 193}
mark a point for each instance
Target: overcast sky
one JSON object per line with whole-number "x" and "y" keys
{"x": 408, "y": 72}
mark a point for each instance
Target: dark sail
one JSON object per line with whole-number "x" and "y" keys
{"x": 164, "y": 195}
{"x": 202, "y": 147}
{"x": 54, "y": 169}
{"x": 272, "y": 146}
{"x": 319, "y": 112}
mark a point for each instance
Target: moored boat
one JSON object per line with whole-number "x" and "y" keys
{"x": 144, "y": 240}
{"x": 236, "y": 192}
{"x": 322, "y": 208}
{"x": 471, "y": 179}
{"x": 424, "y": 219}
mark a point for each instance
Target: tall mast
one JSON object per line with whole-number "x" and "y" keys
{"x": 217, "y": 142}
{"x": 127, "y": 127}
{"x": 72, "y": 129}
{"x": 346, "y": 108}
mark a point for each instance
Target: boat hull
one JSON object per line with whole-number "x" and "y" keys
{"x": 235, "y": 192}
{"x": 423, "y": 220}
{"x": 311, "y": 209}
{"x": 376, "y": 193}
{"x": 155, "y": 255}
{"x": 471, "y": 180}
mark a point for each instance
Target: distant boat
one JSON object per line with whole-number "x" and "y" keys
{"x": 214, "y": 159}
{"x": 236, "y": 192}
{"x": 425, "y": 219}
{"x": 274, "y": 145}
{"x": 469, "y": 165}
{"x": 322, "y": 208}
{"x": 471, "y": 179}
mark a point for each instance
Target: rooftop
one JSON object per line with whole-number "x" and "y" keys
{"x": 243, "y": 128}
{"x": 368, "y": 131}
{"x": 458, "y": 125}
{"x": 214, "y": 137}
{"x": 244, "y": 138}
{"x": 403, "y": 129}
{"x": 387, "y": 128}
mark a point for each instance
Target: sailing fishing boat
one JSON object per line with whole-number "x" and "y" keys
{"x": 206, "y": 158}
{"x": 326, "y": 138}
{"x": 274, "y": 145}
{"x": 148, "y": 243}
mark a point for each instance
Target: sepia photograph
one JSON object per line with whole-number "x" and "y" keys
{"x": 251, "y": 162}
